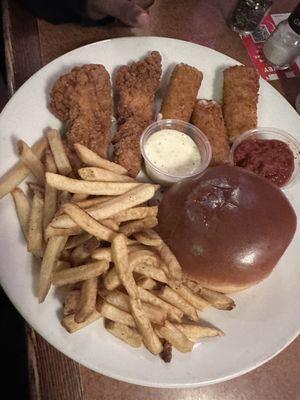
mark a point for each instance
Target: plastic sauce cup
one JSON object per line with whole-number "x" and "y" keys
{"x": 159, "y": 175}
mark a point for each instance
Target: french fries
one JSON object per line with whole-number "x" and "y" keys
{"x": 102, "y": 175}
{"x": 50, "y": 201}
{"x": 80, "y": 273}
{"x": 53, "y": 249}
{"x": 170, "y": 296}
{"x": 72, "y": 326}
{"x": 133, "y": 198}
{"x": 28, "y": 157}
{"x": 123, "y": 332}
{"x": 136, "y": 286}
{"x": 87, "y": 300}
{"x": 197, "y": 332}
{"x": 35, "y": 241}
{"x": 177, "y": 338}
{"x": 61, "y": 182}
{"x": 92, "y": 159}
{"x": 23, "y": 209}
{"x": 58, "y": 151}
{"x": 20, "y": 171}
{"x": 136, "y": 226}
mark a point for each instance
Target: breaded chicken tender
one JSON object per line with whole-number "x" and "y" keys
{"x": 208, "y": 117}
{"x": 136, "y": 85}
{"x": 240, "y": 97}
{"x": 182, "y": 91}
{"x": 82, "y": 99}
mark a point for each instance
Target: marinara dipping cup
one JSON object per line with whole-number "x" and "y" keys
{"x": 174, "y": 150}
{"x": 271, "y": 153}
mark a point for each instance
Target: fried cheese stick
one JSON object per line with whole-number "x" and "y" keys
{"x": 240, "y": 97}
{"x": 182, "y": 91}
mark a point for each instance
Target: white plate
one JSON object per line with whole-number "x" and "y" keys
{"x": 267, "y": 316}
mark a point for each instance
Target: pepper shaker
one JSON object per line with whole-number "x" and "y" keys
{"x": 248, "y": 14}
{"x": 283, "y": 46}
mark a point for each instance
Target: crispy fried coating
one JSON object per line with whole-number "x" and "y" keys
{"x": 240, "y": 97}
{"x": 136, "y": 85}
{"x": 82, "y": 99}
{"x": 182, "y": 91}
{"x": 208, "y": 117}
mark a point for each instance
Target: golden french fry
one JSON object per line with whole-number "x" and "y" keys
{"x": 61, "y": 182}
{"x": 52, "y": 252}
{"x": 148, "y": 237}
{"x": 113, "y": 313}
{"x": 62, "y": 264}
{"x": 87, "y": 301}
{"x": 77, "y": 197}
{"x": 102, "y": 254}
{"x": 105, "y": 253}
{"x": 83, "y": 252}
{"x": 110, "y": 223}
{"x": 95, "y": 201}
{"x": 193, "y": 286}
{"x": 88, "y": 223}
{"x": 80, "y": 273}
{"x": 120, "y": 258}
{"x": 35, "y": 241}
{"x": 156, "y": 315}
{"x": 28, "y": 157}
{"x": 72, "y": 326}
{"x": 217, "y": 300}
{"x": 58, "y": 151}
{"x": 150, "y": 338}
{"x": 151, "y": 272}
{"x": 23, "y": 209}
{"x": 125, "y": 333}
{"x": 170, "y": 260}
{"x": 111, "y": 279}
{"x": 102, "y": 175}
{"x": 71, "y": 302}
{"x": 170, "y": 296}
{"x": 92, "y": 159}
{"x": 146, "y": 283}
{"x": 196, "y": 332}
{"x": 63, "y": 198}
{"x": 50, "y": 206}
{"x": 108, "y": 209}
{"x": 50, "y": 231}
{"x": 20, "y": 171}
{"x": 173, "y": 313}
{"x": 33, "y": 186}
{"x": 77, "y": 240}
{"x": 136, "y": 226}
{"x": 135, "y": 213}
{"x": 175, "y": 337}
{"x": 194, "y": 299}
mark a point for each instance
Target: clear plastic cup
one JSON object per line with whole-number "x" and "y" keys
{"x": 159, "y": 175}
{"x": 272, "y": 134}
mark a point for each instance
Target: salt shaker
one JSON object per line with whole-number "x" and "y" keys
{"x": 283, "y": 46}
{"x": 248, "y": 14}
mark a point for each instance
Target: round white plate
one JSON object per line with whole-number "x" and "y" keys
{"x": 267, "y": 316}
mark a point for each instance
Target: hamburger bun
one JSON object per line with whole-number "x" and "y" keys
{"x": 227, "y": 227}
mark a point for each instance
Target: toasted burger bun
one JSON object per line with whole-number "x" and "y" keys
{"x": 227, "y": 227}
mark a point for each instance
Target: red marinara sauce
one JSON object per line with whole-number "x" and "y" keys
{"x": 271, "y": 159}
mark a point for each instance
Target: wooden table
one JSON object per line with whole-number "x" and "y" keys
{"x": 31, "y": 43}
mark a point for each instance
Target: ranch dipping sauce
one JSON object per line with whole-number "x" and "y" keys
{"x": 174, "y": 150}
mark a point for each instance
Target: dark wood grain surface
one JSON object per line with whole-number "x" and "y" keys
{"x": 30, "y": 44}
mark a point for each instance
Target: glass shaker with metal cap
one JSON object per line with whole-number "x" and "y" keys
{"x": 248, "y": 14}
{"x": 283, "y": 46}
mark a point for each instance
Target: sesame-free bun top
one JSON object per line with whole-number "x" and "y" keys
{"x": 227, "y": 227}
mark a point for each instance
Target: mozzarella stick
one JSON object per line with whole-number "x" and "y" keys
{"x": 240, "y": 97}
{"x": 182, "y": 91}
{"x": 208, "y": 117}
